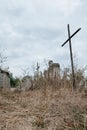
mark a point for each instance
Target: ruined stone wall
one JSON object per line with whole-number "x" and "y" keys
{"x": 4, "y": 80}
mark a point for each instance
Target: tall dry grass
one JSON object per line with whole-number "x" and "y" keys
{"x": 49, "y": 108}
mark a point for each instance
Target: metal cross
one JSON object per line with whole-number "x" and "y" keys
{"x": 71, "y": 54}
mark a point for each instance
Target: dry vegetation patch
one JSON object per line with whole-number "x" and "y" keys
{"x": 45, "y": 109}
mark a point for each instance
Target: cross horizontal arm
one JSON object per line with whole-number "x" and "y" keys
{"x": 71, "y": 37}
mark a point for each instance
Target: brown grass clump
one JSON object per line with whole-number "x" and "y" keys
{"x": 43, "y": 109}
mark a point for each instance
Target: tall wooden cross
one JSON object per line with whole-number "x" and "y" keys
{"x": 71, "y": 54}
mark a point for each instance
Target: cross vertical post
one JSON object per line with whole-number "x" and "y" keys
{"x": 71, "y": 57}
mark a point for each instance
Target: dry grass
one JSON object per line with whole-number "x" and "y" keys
{"x": 46, "y": 109}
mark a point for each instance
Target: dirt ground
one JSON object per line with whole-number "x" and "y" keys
{"x": 43, "y": 110}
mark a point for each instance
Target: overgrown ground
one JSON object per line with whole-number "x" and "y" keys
{"x": 45, "y": 109}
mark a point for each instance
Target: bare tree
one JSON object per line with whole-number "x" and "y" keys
{"x": 25, "y": 71}
{"x": 3, "y": 59}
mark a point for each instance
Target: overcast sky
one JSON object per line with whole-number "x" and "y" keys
{"x": 33, "y": 30}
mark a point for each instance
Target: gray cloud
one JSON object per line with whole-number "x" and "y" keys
{"x": 33, "y": 30}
